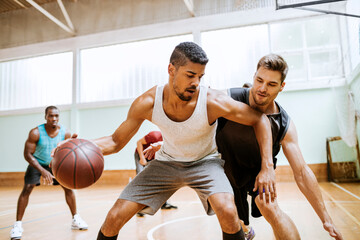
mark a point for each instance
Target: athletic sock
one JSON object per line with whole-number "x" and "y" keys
{"x": 102, "y": 237}
{"x": 235, "y": 236}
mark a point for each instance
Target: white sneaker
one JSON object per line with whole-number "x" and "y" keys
{"x": 78, "y": 223}
{"x": 16, "y": 231}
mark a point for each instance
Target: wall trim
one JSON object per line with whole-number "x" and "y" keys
{"x": 122, "y": 177}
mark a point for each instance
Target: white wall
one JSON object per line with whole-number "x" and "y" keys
{"x": 311, "y": 110}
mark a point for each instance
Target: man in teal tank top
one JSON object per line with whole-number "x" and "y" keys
{"x": 41, "y": 140}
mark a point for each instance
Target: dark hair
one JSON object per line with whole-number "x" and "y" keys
{"x": 49, "y": 108}
{"x": 188, "y": 51}
{"x": 274, "y": 62}
{"x": 247, "y": 85}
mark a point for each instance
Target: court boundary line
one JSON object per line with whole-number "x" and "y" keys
{"x": 341, "y": 207}
{"x": 151, "y": 231}
{"x": 345, "y": 190}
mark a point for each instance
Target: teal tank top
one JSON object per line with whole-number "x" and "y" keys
{"x": 46, "y": 144}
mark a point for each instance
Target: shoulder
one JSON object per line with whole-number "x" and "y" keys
{"x": 239, "y": 94}
{"x": 147, "y": 98}
{"x": 220, "y": 100}
{"x": 285, "y": 121}
{"x": 219, "y": 104}
{"x": 34, "y": 135}
{"x": 216, "y": 96}
{"x": 291, "y": 133}
{"x": 66, "y": 131}
{"x": 143, "y": 104}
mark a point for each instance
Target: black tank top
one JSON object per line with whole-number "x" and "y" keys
{"x": 237, "y": 143}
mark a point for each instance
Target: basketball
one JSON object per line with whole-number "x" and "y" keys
{"x": 78, "y": 163}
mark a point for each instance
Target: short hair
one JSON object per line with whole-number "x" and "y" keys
{"x": 274, "y": 62}
{"x": 49, "y": 108}
{"x": 188, "y": 51}
{"x": 247, "y": 85}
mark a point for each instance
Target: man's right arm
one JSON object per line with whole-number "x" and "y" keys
{"x": 29, "y": 150}
{"x": 140, "y": 110}
{"x": 221, "y": 105}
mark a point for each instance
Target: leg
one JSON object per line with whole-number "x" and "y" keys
{"x": 138, "y": 166}
{"x": 70, "y": 200}
{"x": 282, "y": 225}
{"x": 23, "y": 201}
{"x": 224, "y": 207}
{"x": 119, "y": 214}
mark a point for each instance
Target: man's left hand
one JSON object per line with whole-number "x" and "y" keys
{"x": 265, "y": 184}
{"x": 332, "y": 231}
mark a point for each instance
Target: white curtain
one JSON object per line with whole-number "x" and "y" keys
{"x": 36, "y": 82}
{"x": 233, "y": 55}
{"x": 125, "y": 70}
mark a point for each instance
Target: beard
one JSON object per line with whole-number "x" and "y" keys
{"x": 259, "y": 102}
{"x": 181, "y": 94}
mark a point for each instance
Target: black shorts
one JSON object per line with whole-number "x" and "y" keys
{"x": 32, "y": 175}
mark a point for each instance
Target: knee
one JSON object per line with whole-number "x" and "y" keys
{"x": 27, "y": 190}
{"x": 69, "y": 192}
{"x": 114, "y": 217}
{"x": 270, "y": 209}
{"x": 228, "y": 210}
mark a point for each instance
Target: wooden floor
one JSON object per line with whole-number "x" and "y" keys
{"x": 48, "y": 217}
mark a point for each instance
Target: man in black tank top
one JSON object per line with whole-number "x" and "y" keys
{"x": 239, "y": 148}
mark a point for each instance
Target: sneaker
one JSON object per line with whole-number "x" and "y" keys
{"x": 16, "y": 231}
{"x": 168, "y": 206}
{"x": 78, "y": 223}
{"x": 250, "y": 234}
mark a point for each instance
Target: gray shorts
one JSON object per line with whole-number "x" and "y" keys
{"x": 161, "y": 179}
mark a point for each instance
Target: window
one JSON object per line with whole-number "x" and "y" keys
{"x": 233, "y": 55}
{"x": 36, "y": 82}
{"x": 125, "y": 70}
{"x": 311, "y": 48}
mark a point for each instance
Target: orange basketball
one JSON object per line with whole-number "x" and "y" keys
{"x": 78, "y": 163}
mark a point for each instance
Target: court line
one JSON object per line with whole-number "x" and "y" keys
{"x": 341, "y": 207}
{"x": 49, "y": 216}
{"x": 347, "y": 191}
{"x": 38, "y": 219}
{"x": 151, "y": 232}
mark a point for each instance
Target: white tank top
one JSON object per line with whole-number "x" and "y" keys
{"x": 189, "y": 140}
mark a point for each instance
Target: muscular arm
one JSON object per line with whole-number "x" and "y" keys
{"x": 29, "y": 150}
{"x": 140, "y": 110}
{"x": 221, "y": 105}
{"x": 306, "y": 180}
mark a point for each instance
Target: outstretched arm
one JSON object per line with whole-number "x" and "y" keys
{"x": 140, "y": 110}
{"x": 306, "y": 180}
{"x": 221, "y": 105}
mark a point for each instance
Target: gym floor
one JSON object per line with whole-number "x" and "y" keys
{"x": 48, "y": 217}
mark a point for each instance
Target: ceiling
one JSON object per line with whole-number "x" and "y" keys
{"x": 12, "y": 5}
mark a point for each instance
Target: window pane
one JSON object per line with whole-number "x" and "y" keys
{"x": 297, "y": 71}
{"x": 286, "y": 36}
{"x": 325, "y": 64}
{"x": 317, "y": 57}
{"x": 321, "y": 31}
{"x": 36, "y": 82}
{"x": 233, "y": 55}
{"x": 125, "y": 70}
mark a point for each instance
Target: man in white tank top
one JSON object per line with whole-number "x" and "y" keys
{"x": 186, "y": 115}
